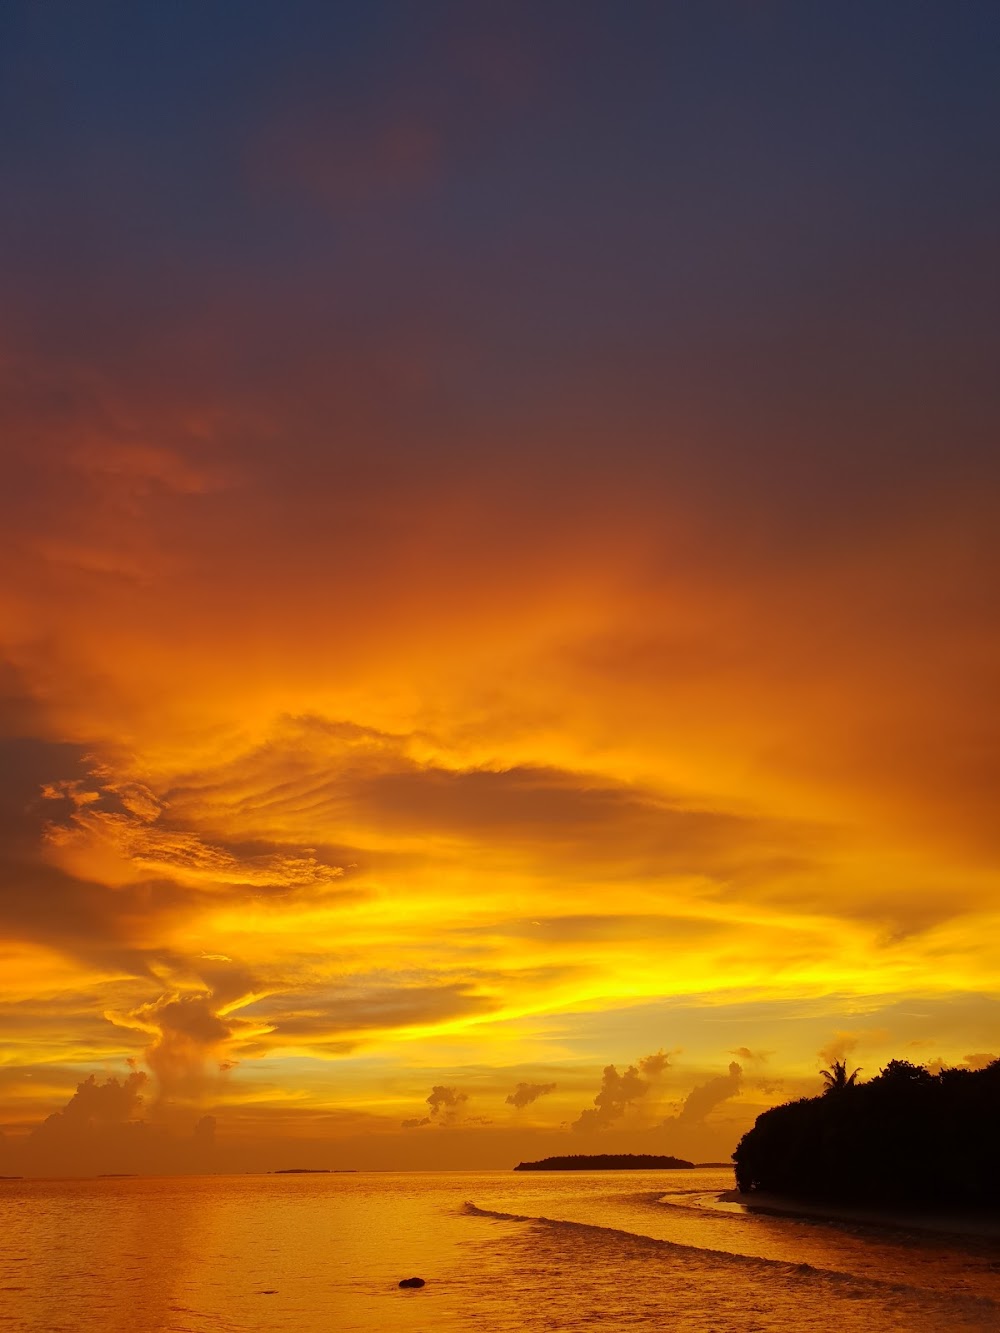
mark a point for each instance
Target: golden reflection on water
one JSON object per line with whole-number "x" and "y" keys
{"x": 225, "y": 1253}
{"x": 256, "y": 1253}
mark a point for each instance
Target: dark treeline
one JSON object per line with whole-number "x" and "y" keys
{"x": 906, "y": 1137}
{"x": 606, "y": 1162}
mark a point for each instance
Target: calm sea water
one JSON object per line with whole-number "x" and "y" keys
{"x": 499, "y": 1252}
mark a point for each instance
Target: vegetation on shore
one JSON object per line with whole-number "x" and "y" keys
{"x": 907, "y": 1136}
{"x": 606, "y": 1162}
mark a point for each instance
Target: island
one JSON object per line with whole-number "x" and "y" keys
{"x": 908, "y": 1137}
{"x": 607, "y": 1162}
{"x": 314, "y": 1171}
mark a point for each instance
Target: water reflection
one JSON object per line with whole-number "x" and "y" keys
{"x": 314, "y": 1253}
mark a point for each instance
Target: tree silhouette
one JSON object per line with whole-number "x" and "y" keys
{"x": 907, "y": 1137}
{"x": 837, "y": 1077}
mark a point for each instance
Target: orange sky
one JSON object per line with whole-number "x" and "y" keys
{"x": 459, "y": 635}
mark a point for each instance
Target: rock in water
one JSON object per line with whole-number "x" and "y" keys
{"x": 412, "y": 1282}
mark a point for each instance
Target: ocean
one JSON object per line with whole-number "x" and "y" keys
{"x": 498, "y": 1251}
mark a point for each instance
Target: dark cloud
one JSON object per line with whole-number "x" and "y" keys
{"x": 93, "y": 1103}
{"x": 526, "y": 1093}
{"x": 41, "y": 903}
{"x": 446, "y": 1103}
{"x": 365, "y": 1004}
{"x": 446, "y": 1106}
{"x": 104, "y": 1127}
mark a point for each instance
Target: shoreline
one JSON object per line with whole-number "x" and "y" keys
{"x": 957, "y": 1224}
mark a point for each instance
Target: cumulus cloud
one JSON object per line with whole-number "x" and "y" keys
{"x": 619, "y": 1091}
{"x": 703, "y": 1099}
{"x": 103, "y": 1127}
{"x": 99, "y": 1128}
{"x": 93, "y": 1103}
{"x": 526, "y": 1093}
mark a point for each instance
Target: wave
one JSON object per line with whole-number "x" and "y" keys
{"x": 764, "y": 1267}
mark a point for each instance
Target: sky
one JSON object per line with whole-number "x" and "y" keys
{"x": 498, "y": 572}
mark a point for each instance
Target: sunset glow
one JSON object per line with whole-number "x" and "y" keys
{"x": 499, "y": 580}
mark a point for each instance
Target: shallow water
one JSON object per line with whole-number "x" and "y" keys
{"x": 500, "y": 1251}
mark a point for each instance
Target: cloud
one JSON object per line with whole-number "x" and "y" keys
{"x": 100, "y": 1122}
{"x": 93, "y": 1103}
{"x": 188, "y": 1032}
{"x": 446, "y": 1103}
{"x": 526, "y": 1093}
{"x": 770, "y": 1087}
{"x": 44, "y": 904}
{"x": 751, "y": 1057}
{"x": 103, "y": 1127}
{"x": 314, "y": 770}
{"x": 126, "y": 827}
{"x": 446, "y": 1106}
{"x": 979, "y": 1060}
{"x": 654, "y": 1065}
{"x": 842, "y": 1044}
{"x": 702, "y": 1100}
{"x": 619, "y": 1091}
{"x": 192, "y": 1030}
{"x": 365, "y": 1004}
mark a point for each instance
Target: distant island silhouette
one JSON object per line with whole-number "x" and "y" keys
{"x": 302, "y": 1171}
{"x": 606, "y": 1162}
{"x": 906, "y": 1137}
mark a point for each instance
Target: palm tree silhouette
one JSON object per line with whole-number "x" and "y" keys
{"x": 837, "y": 1077}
